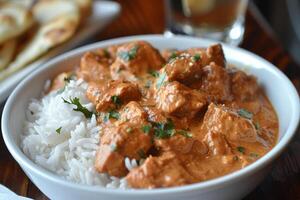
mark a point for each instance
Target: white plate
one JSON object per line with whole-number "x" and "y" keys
{"x": 103, "y": 13}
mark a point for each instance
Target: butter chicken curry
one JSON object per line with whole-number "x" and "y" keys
{"x": 185, "y": 116}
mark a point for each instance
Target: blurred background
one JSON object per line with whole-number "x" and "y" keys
{"x": 283, "y": 18}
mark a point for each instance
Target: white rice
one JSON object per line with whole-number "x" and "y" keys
{"x": 70, "y": 153}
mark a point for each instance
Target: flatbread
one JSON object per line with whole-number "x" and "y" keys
{"x": 48, "y": 36}
{"x": 14, "y": 20}
{"x": 7, "y": 50}
{"x": 45, "y": 11}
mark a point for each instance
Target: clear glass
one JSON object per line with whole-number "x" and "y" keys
{"x": 221, "y": 20}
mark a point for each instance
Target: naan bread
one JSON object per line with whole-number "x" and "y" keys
{"x": 48, "y": 36}
{"x": 7, "y": 50}
{"x": 14, "y": 20}
{"x": 47, "y": 10}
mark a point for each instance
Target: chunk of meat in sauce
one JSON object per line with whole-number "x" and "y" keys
{"x": 59, "y": 81}
{"x": 134, "y": 113}
{"x": 217, "y": 143}
{"x": 244, "y": 87}
{"x": 222, "y": 120}
{"x": 181, "y": 144}
{"x": 93, "y": 67}
{"x": 163, "y": 171}
{"x": 187, "y": 67}
{"x": 179, "y": 100}
{"x": 213, "y": 53}
{"x": 102, "y": 96}
{"x": 118, "y": 142}
{"x": 215, "y": 82}
{"x": 134, "y": 59}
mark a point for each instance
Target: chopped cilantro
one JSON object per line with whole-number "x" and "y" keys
{"x": 106, "y": 53}
{"x": 172, "y": 56}
{"x": 184, "y": 133}
{"x": 161, "y": 79}
{"x": 257, "y": 126}
{"x": 58, "y": 130}
{"x": 196, "y": 57}
{"x": 113, "y": 147}
{"x": 129, "y": 130}
{"x": 245, "y": 113}
{"x": 146, "y": 129}
{"x": 128, "y": 55}
{"x": 154, "y": 73}
{"x": 80, "y": 108}
{"x": 163, "y": 130}
{"x": 116, "y": 100}
{"x": 241, "y": 149}
{"x": 254, "y": 155}
{"x": 112, "y": 114}
{"x": 141, "y": 153}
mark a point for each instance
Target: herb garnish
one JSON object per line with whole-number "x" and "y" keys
{"x": 106, "y": 53}
{"x": 196, "y": 57}
{"x": 254, "y": 155}
{"x": 129, "y": 130}
{"x": 112, "y": 114}
{"x": 184, "y": 133}
{"x": 163, "y": 130}
{"x": 257, "y": 126}
{"x": 141, "y": 153}
{"x": 161, "y": 79}
{"x": 154, "y": 73}
{"x": 128, "y": 55}
{"x": 172, "y": 56}
{"x": 241, "y": 149}
{"x": 113, "y": 147}
{"x": 58, "y": 130}
{"x": 116, "y": 100}
{"x": 80, "y": 108}
{"x": 146, "y": 129}
{"x": 245, "y": 113}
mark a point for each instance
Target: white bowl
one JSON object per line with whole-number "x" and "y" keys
{"x": 277, "y": 86}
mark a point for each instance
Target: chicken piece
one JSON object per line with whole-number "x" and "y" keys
{"x": 184, "y": 69}
{"x": 169, "y": 54}
{"x": 117, "y": 142}
{"x": 155, "y": 115}
{"x": 179, "y": 100}
{"x": 217, "y": 143}
{"x": 215, "y": 82}
{"x": 134, "y": 59}
{"x": 93, "y": 67}
{"x": 235, "y": 127}
{"x": 112, "y": 95}
{"x": 58, "y": 82}
{"x": 109, "y": 53}
{"x": 134, "y": 113}
{"x": 157, "y": 172}
{"x": 211, "y": 54}
{"x": 180, "y": 144}
{"x": 244, "y": 87}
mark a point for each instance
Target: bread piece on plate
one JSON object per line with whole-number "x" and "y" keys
{"x": 15, "y": 19}
{"x": 48, "y": 36}
{"x": 47, "y": 10}
{"x": 85, "y": 7}
{"x": 7, "y": 50}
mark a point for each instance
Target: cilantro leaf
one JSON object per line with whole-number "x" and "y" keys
{"x": 241, "y": 149}
{"x": 196, "y": 57}
{"x": 128, "y": 55}
{"x": 116, "y": 100}
{"x": 58, "y": 130}
{"x": 146, "y": 129}
{"x": 245, "y": 113}
{"x": 79, "y": 107}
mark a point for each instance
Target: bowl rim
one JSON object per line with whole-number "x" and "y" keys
{"x": 24, "y": 161}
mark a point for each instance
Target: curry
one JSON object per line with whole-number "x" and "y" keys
{"x": 184, "y": 115}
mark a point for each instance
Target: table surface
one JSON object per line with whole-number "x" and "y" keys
{"x": 147, "y": 17}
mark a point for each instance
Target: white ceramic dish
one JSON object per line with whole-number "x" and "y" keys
{"x": 279, "y": 89}
{"x": 103, "y": 13}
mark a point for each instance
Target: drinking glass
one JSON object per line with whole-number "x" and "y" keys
{"x": 221, "y": 20}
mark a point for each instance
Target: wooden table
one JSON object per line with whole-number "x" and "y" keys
{"x": 147, "y": 17}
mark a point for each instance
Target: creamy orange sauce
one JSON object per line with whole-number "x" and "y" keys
{"x": 183, "y": 115}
